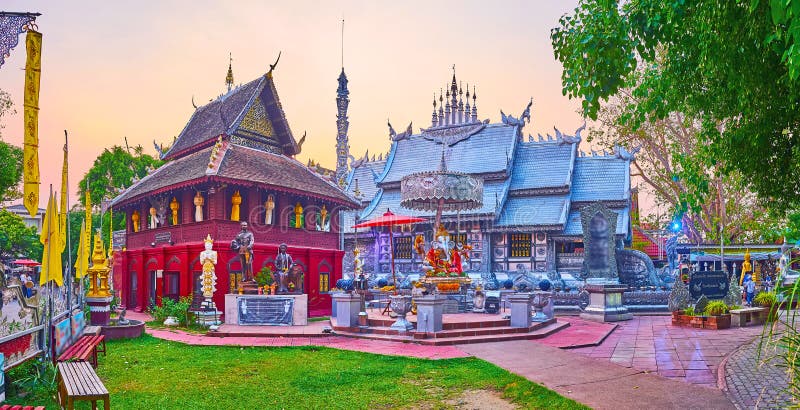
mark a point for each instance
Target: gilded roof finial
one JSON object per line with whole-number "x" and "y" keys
{"x": 229, "y": 77}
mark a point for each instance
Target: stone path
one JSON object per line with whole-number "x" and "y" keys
{"x": 599, "y": 384}
{"x": 753, "y": 381}
{"x": 652, "y": 344}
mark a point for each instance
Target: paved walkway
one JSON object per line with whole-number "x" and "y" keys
{"x": 652, "y": 344}
{"x": 599, "y": 384}
{"x": 753, "y": 381}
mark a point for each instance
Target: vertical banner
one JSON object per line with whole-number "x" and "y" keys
{"x": 88, "y": 207}
{"x": 30, "y": 164}
{"x": 62, "y": 216}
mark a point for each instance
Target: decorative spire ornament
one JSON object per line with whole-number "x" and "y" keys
{"x": 229, "y": 77}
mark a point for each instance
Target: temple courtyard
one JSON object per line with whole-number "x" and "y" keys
{"x": 599, "y": 365}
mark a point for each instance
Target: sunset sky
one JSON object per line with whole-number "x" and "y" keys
{"x": 129, "y": 69}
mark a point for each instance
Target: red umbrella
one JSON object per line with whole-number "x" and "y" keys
{"x": 390, "y": 219}
{"x": 26, "y": 262}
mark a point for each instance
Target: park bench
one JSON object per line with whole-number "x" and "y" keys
{"x": 19, "y": 407}
{"x": 748, "y": 316}
{"x": 85, "y": 348}
{"x": 78, "y": 381}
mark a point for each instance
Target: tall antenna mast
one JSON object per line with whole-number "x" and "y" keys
{"x": 342, "y": 43}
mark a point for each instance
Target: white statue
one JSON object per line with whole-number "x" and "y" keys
{"x": 153, "y": 218}
{"x": 208, "y": 258}
{"x": 198, "y": 207}
{"x": 269, "y": 206}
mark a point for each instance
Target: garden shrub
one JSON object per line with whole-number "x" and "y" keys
{"x": 716, "y": 308}
{"x": 765, "y": 299}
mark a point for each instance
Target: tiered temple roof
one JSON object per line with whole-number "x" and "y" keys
{"x": 243, "y": 137}
{"x": 538, "y": 185}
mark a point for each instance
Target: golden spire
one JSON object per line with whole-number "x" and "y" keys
{"x": 229, "y": 77}
{"x": 98, "y": 254}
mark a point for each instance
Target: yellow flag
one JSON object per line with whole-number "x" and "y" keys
{"x": 30, "y": 161}
{"x": 62, "y": 216}
{"x": 82, "y": 261}
{"x": 88, "y": 221}
{"x": 51, "y": 239}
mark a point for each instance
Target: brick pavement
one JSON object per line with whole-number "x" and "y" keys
{"x": 652, "y": 344}
{"x": 753, "y": 381}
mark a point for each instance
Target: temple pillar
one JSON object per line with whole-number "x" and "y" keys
{"x": 187, "y": 207}
{"x": 252, "y": 202}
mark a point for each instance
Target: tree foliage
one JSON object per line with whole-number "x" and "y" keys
{"x": 10, "y": 157}
{"x": 17, "y": 239}
{"x": 732, "y": 65}
{"x": 114, "y": 169}
{"x": 673, "y": 166}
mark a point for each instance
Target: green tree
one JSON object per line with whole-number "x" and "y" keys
{"x": 17, "y": 239}
{"x": 115, "y": 169}
{"x": 673, "y": 165}
{"x": 10, "y": 157}
{"x": 732, "y": 65}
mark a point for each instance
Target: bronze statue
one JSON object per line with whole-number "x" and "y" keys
{"x": 243, "y": 243}
{"x": 283, "y": 265}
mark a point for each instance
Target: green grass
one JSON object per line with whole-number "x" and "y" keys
{"x": 149, "y": 373}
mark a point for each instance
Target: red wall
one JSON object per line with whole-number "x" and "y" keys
{"x": 178, "y": 257}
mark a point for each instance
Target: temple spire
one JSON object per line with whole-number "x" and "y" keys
{"x": 342, "y": 126}
{"x": 229, "y": 77}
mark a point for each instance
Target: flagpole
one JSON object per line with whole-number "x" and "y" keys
{"x": 68, "y": 268}
{"x": 49, "y": 315}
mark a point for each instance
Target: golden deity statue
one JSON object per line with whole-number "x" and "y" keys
{"x": 174, "y": 206}
{"x": 135, "y": 220}
{"x": 236, "y": 200}
{"x": 298, "y": 221}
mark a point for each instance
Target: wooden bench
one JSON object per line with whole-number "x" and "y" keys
{"x": 83, "y": 349}
{"x": 19, "y": 407}
{"x": 748, "y": 316}
{"x": 78, "y": 381}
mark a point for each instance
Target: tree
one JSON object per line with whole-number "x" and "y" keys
{"x": 17, "y": 239}
{"x": 674, "y": 167}
{"x": 10, "y": 157}
{"x": 731, "y": 65}
{"x": 114, "y": 169}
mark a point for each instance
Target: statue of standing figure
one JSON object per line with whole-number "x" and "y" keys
{"x": 283, "y": 265}
{"x": 243, "y": 243}
{"x": 208, "y": 259}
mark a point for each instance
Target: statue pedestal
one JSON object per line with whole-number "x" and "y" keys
{"x": 520, "y": 309}
{"x": 266, "y": 310}
{"x": 429, "y": 313}
{"x": 605, "y": 303}
{"x": 100, "y": 308}
{"x": 208, "y": 315}
{"x": 348, "y": 305}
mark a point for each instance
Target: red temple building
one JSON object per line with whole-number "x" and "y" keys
{"x": 232, "y": 162}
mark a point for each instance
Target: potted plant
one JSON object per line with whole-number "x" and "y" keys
{"x": 717, "y": 315}
{"x": 264, "y": 276}
{"x": 769, "y": 301}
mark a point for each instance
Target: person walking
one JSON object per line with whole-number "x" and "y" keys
{"x": 768, "y": 283}
{"x": 750, "y": 287}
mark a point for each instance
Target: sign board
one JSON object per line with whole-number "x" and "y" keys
{"x": 265, "y": 310}
{"x": 162, "y": 237}
{"x": 118, "y": 239}
{"x": 712, "y": 283}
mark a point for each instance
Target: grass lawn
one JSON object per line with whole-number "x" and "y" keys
{"x": 149, "y": 373}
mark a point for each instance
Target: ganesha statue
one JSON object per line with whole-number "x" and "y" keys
{"x": 443, "y": 258}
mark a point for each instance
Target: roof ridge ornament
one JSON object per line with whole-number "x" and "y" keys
{"x": 275, "y": 64}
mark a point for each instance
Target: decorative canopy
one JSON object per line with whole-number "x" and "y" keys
{"x": 441, "y": 191}
{"x": 11, "y": 26}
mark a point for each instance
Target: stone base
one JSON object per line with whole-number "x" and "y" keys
{"x": 299, "y": 312}
{"x": 605, "y": 303}
{"x": 348, "y": 306}
{"x": 429, "y": 313}
{"x": 100, "y": 308}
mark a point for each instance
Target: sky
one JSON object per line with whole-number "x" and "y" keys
{"x": 116, "y": 70}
